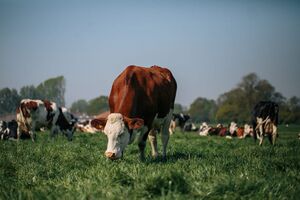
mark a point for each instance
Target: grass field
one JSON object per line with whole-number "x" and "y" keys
{"x": 196, "y": 168}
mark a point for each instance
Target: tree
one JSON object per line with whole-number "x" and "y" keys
{"x": 79, "y": 106}
{"x": 98, "y": 105}
{"x": 203, "y": 109}
{"x": 291, "y": 113}
{"x": 29, "y": 92}
{"x": 53, "y": 89}
{"x": 178, "y": 108}
{"x": 9, "y": 100}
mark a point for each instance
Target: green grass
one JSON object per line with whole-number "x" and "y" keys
{"x": 196, "y": 168}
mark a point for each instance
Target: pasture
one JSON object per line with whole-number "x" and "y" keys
{"x": 196, "y": 168}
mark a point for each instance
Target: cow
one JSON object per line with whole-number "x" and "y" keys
{"x": 85, "y": 127}
{"x": 141, "y": 100}
{"x": 181, "y": 119}
{"x": 8, "y": 130}
{"x": 33, "y": 114}
{"x": 3, "y": 129}
{"x": 204, "y": 129}
{"x": 190, "y": 127}
{"x": 265, "y": 121}
{"x": 233, "y": 128}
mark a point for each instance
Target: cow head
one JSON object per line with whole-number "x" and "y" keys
{"x": 118, "y": 130}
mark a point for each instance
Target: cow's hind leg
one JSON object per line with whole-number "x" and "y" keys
{"x": 165, "y": 139}
{"x": 165, "y": 134}
{"x": 153, "y": 142}
{"x": 274, "y": 134}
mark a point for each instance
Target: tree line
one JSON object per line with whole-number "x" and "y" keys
{"x": 237, "y": 104}
{"x": 234, "y": 105}
{"x": 52, "y": 89}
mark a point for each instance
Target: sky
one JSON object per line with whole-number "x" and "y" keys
{"x": 208, "y": 45}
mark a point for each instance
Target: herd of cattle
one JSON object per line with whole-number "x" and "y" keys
{"x": 141, "y": 101}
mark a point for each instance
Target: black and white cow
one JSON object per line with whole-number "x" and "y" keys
{"x": 265, "y": 121}
{"x": 8, "y": 130}
{"x": 181, "y": 119}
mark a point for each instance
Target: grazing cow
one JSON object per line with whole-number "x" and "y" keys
{"x": 265, "y": 121}
{"x": 181, "y": 119}
{"x": 35, "y": 114}
{"x": 141, "y": 100}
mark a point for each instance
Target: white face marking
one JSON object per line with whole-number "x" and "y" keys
{"x": 117, "y": 134}
{"x": 233, "y": 127}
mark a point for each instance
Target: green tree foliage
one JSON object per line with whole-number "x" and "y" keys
{"x": 9, "y": 101}
{"x": 178, "y": 108}
{"x": 79, "y": 106}
{"x": 203, "y": 109}
{"x": 290, "y": 111}
{"x": 97, "y": 105}
{"x": 53, "y": 89}
{"x": 29, "y": 92}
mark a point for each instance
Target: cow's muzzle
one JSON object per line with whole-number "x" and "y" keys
{"x": 111, "y": 155}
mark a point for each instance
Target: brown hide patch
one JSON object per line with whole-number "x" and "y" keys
{"x": 240, "y": 132}
{"x": 223, "y": 132}
{"x": 48, "y": 105}
{"x": 98, "y": 123}
{"x": 31, "y": 105}
{"x": 133, "y": 123}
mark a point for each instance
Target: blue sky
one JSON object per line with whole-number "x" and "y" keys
{"x": 208, "y": 45}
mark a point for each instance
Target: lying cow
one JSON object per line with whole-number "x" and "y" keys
{"x": 204, "y": 129}
{"x": 141, "y": 100}
{"x": 35, "y": 114}
{"x": 265, "y": 121}
{"x": 85, "y": 127}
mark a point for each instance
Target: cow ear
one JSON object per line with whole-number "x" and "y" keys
{"x": 133, "y": 123}
{"x": 98, "y": 123}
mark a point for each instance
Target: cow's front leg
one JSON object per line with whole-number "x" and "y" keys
{"x": 142, "y": 144}
{"x": 153, "y": 142}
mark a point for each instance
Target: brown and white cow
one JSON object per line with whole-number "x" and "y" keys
{"x": 141, "y": 100}
{"x": 34, "y": 114}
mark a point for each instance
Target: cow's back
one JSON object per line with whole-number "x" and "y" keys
{"x": 143, "y": 92}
